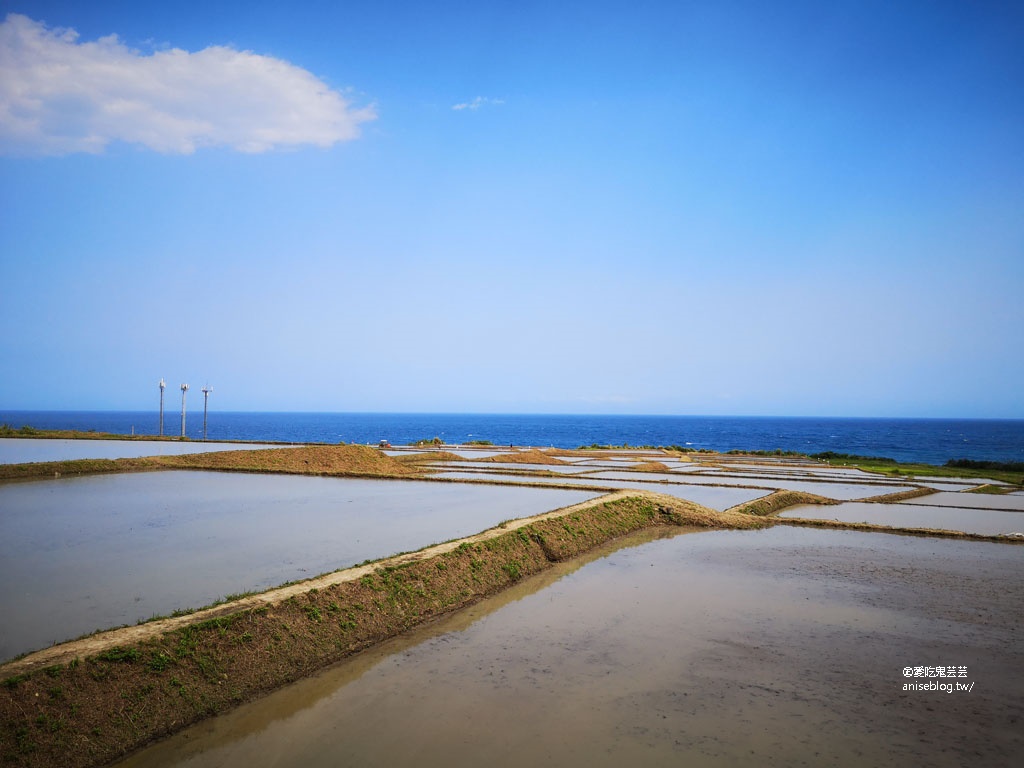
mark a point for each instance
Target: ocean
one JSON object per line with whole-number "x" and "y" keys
{"x": 932, "y": 441}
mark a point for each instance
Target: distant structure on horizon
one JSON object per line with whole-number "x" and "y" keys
{"x": 184, "y": 389}
{"x": 206, "y": 399}
{"x": 162, "y": 385}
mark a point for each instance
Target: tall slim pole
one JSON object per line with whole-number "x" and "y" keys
{"x": 162, "y": 385}
{"x": 206, "y": 399}
{"x": 184, "y": 389}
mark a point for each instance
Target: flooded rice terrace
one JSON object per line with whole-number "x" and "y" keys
{"x": 87, "y": 553}
{"x": 714, "y": 648}
{"x": 80, "y": 554}
{"x": 22, "y": 450}
{"x": 778, "y": 647}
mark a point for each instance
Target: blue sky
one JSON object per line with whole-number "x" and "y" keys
{"x": 562, "y": 207}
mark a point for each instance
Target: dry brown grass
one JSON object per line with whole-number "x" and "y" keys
{"x": 50, "y": 469}
{"x": 359, "y": 460}
{"x": 352, "y": 460}
{"x": 775, "y": 502}
{"x": 427, "y": 457}
{"x": 890, "y": 498}
{"x": 650, "y": 466}
{"x": 530, "y": 456}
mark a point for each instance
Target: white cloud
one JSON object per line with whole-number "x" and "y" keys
{"x": 476, "y": 103}
{"x": 59, "y": 96}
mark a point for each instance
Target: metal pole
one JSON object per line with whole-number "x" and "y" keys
{"x": 162, "y": 385}
{"x": 206, "y": 399}
{"x": 184, "y": 389}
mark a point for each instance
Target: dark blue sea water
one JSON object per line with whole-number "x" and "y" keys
{"x": 933, "y": 441}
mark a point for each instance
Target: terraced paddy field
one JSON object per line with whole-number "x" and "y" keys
{"x": 24, "y": 450}
{"x": 88, "y": 553}
{"x": 727, "y": 634}
{"x": 750, "y": 648}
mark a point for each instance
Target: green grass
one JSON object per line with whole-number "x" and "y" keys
{"x": 426, "y": 441}
{"x": 995, "y": 490}
{"x": 930, "y": 470}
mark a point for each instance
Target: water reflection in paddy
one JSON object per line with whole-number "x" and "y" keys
{"x": 492, "y": 465}
{"x": 983, "y": 521}
{"x": 981, "y": 500}
{"x": 716, "y": 497}
{"x": 671, "y": 484}
{"x": 778, "y": 647}
{"x": 81, "y": 554}
{"x": 24, "y": 450}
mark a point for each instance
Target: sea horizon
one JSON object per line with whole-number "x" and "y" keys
{"x": 932, "y": 440}
{"x": 193, "y": 410}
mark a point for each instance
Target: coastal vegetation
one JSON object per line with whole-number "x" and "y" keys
{"x": 6, "y": 430}
{"x": 628, "y": 447}
{"x": 437, "y": 441}
{"x": 898, "y": 469}
{"x": 999, "y": 466}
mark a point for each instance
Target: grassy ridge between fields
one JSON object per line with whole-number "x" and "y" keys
{"x": 93, "y": 710}
{"x": 347, "y": 460}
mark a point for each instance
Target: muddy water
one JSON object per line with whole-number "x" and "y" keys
{"x": 778, "y": 647}
{"x": 80, "y": 554}
{"x": 984, "y": 521}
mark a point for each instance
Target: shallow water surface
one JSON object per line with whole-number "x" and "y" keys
{"x": 777, "y": 647}
{"x": 715, "y": 497}
{"x": 979, "y": 500}
{"x": 80, "y": 554}
{"x": 22, "y": 450}
{"x": 493, "y": 465}
{"x": 983, "y": 521}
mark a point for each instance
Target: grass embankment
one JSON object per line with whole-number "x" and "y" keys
{"x": 48, "y": 469}
{"x": 428, "y": 457}
{"x": 92, "y": 710}
{"x": 6, "y": 430}
{"x": 650, "y": 466}
{"x": 995, "y": 490}
{"x": 892, "y": 498}
{"x": 358, "y": 460}
{"x": 342, "y": 460}
{"x": 529, "y": 456}
{"x": 937, "y": 533}
{"x": 775, "y": 502}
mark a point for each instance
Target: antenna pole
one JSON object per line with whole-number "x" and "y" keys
{"x": 184, "y": 389}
